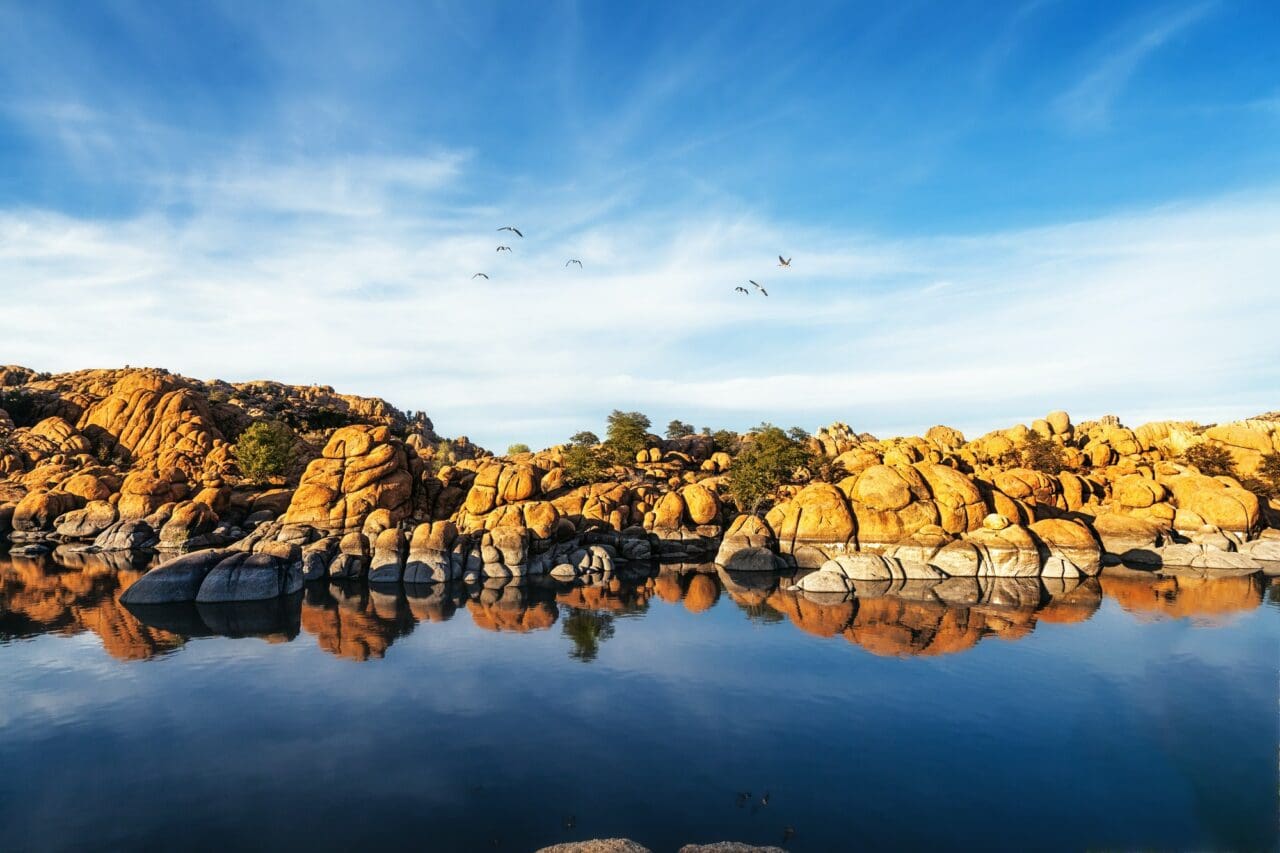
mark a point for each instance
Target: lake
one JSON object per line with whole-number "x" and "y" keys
{"x": 665, "y": 706}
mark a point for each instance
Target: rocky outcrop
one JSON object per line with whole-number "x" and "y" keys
{"x": 361, "y": 470}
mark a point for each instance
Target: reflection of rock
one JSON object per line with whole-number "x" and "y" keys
{"x": 1182, "y": 596}
{"x": 37, "y": 597}
{"x": 350, "y": 622}
{"x": 1070, "y": 601}
{"x": 510, "y": 606}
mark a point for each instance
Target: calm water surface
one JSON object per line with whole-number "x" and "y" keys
{"x": 1134, "y": 711}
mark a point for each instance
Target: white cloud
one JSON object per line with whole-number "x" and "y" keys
{"x": 1087, "y": 104}
{"x": 356, "y": 272}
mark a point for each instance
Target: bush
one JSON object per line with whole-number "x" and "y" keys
{"x": 21, "y": 407}
{"x": 1269, "y": 473}
{"x": 513, "y": 449}
{"x": 679, "y": 429}
{"x": 585, "y": 463}
{"x": 444, "y": 454}
{"x": 264, "y": 450}
{"x": 627, "y": 435}
{"x": 725, "y": 441}
{"x": 1213, "y": 460}
{"x": 1041, "y": 454}
{"x": 768, "y": 458}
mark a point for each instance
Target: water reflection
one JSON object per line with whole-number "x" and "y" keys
{"x": 69, "y": 593}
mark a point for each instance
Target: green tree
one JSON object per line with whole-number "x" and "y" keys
{"x": 1213, "y": 460}
{"x": 769, "y": 457}
{"x": 1269, "y": 474}
{"x": 444, "y": 454}
{"x": 584, "y": 464}
{"x": 626, "y": 435}
{"x": 518, "y": 447}
{"x": 679, "y": 429}
{"x": 725, "y": 441}
{"x": 585, "y": 437}
{"x": 1040, "y": 454}
{"x": 265, "y": 450}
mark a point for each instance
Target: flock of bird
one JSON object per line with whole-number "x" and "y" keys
{"x": 785, "y": 263}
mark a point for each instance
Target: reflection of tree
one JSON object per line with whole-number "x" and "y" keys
{"x": 587, "y": 629}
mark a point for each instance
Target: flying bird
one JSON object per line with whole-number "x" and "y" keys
{"x": 741, "y": 290}
{"x": 480, "y": 275}
{"x": 759, "y": 288}
{"x": 512, "y": 229}
{"x": 783, "y": 262}
{"x": 573, "y": 261}
{"x": 503, "y": 249}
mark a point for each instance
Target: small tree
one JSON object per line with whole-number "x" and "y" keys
{"x": 444, "y": 454}
{"x": 585, "y": 437}
{"x": 679, "y": 429}
{"x": 1040, "y": 454}
{"x": 725, "y": 441}
{"x": 1213, "y": 460}
{"x": 584, "y": 464}
{"x": 518, "y": 447}
{"x": 626, "y": 435}
{"x": 768, "y": 458}
{"x": 264, "y": 450}
{"x": 1269, "y": 471}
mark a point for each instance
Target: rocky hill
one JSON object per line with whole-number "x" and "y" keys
{"x": 126, "y": 460}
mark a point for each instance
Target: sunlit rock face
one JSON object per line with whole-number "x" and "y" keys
{"x": 360, "y": 471}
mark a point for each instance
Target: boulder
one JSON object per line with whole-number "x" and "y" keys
{"x": 874, "y": 567}
{"x": 813, "y": 525}
{"x": 387, "y": 564}
{"x": 86, "y": 523}
{"x": 177, "y": 580}
{"x": 1009, "y": 552}
{"x": 1070, "y": 543}
{"x": 352, "y": 560}
{"x": 39, "y": 509}
{"x": 189, "y": 526}
{"x": 271, "y": 573}
{"x": 430, "y": 559}
{"x": 127, "y": 536}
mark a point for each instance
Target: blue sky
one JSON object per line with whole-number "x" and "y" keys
{"x": 994, "y": 209}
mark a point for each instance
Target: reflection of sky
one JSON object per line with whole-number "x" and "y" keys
{"x": 1112, "y": 732}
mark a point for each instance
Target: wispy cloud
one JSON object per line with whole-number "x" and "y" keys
{"x": 875, "y": 330}
{"x": 1087, "y": 105}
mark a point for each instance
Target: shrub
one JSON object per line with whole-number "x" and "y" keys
{"x": 679, "y": 429}
{"x": 513, "y": 449}
{"x": 1269, "y": 470}
{"x": 768, "y": 458}
{"x": 585, "y": 463}
{"x": 1041, "y": 454}
{"x": 444, "y": 454}
{"x": 21, "y": 407}
{"x": 264, "y": 450}
{"x": 725, "y": 441}
{"x": 627, "y": 435}
{"x": 1213, "y": 460}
